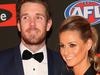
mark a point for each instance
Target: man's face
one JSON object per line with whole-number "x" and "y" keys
{"x": 33, "y": 23}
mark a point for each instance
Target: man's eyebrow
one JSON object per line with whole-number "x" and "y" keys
{"x": 23, "y": 14}
{"x": 40, "y": 14}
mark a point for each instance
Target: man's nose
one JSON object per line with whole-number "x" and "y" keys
{"x": 32, "y": 22}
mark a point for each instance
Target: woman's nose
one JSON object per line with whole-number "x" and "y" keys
{"x": 67, "y": 51}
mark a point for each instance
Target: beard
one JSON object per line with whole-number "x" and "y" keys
{"x": 34, "y": 38}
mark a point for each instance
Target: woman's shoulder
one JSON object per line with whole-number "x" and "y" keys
{"x": 90, "y": 71}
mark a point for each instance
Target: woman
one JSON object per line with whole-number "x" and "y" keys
{"x": 78, "y": 41}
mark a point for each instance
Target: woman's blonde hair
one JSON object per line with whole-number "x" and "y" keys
{"x": 97, "y": 63}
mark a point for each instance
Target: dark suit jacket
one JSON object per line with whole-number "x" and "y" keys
{"x": 11, "y": 63}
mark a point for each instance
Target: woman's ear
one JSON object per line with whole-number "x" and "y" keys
{"x": 89, "y": 44}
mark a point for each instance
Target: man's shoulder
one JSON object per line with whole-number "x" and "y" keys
{"x": 7, "y": 53}
{"x": 58, "y": 63}
{"x": 55, "y": 55}
{"x": 10, "y": 59}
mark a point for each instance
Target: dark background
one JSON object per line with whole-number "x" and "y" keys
{"x": 9, "y": 35}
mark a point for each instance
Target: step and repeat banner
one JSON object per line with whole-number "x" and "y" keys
{"x": 90, "y": 9}
{"x": 8, "y": 31}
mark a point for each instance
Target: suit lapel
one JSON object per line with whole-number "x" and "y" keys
{"x": 50, "y": 63}
{"x": 18, "y": 62}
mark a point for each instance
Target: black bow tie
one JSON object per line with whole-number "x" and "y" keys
{"x": 27, "y": 55}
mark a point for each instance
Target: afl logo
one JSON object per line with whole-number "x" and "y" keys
{"x": 4, "y": 15}
{"x": 90, "y": 10}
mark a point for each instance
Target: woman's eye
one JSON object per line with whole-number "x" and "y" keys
{"x": 61, "y": 45}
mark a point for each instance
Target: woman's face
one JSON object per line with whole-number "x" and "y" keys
{"x": 72, "y": 48}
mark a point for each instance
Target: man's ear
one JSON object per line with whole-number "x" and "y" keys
{"x": 49, "y": 24}
{"x": 89, "y": 44}
{"x": 18, "y": 26}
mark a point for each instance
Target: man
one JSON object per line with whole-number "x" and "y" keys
{"x": 33, "y": 23}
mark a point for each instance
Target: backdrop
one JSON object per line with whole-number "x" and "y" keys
{"x": 8, "y": 31}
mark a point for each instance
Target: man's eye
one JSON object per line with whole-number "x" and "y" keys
{"x": 39, "y": 17}
{"x": 72, "y": 45}
{"x": 24, "y": 17}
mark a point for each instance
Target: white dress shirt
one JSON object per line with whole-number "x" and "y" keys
{"x": 32, "y": 66}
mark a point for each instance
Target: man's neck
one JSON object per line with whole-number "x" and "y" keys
{"x": 34, "y": 48}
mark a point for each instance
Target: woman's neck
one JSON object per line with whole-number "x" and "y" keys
{"x": 82, "y": 67}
